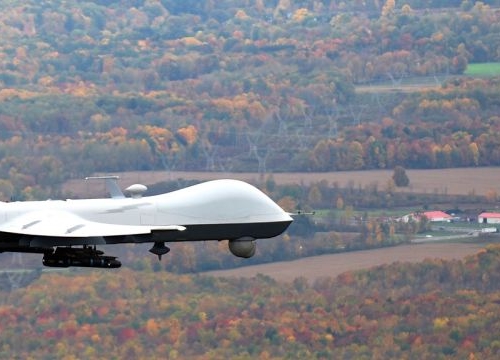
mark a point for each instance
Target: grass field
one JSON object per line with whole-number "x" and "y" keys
{"x": 483, "y": 69}
{"x": 407, "y": 85}
{"x": 457, "y": 181}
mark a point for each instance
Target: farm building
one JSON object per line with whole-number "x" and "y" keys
{"x": 430, "y": 215}
{"x": 488, "y": 218}
{"x": 437, "y": 216}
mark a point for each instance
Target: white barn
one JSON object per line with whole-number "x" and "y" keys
{"x": 488, "y": 218}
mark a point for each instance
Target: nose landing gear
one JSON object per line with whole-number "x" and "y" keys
{"x": 159, "y": 249}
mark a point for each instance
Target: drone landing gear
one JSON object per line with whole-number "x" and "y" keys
{"x": 159, "y": 249}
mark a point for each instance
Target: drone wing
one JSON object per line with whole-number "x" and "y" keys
{"x": 67, "y": 225}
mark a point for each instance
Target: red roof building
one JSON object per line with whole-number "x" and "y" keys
{"x": 489, "y": 218}
{"x": 429, "y": 215}
{"x": 437, "y": 216}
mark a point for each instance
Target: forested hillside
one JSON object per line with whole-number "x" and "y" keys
{"x": 237, "y": 85}
{"x": 435, "y": 309}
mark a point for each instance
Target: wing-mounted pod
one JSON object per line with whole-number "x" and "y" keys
{"x": 82, "y": 257}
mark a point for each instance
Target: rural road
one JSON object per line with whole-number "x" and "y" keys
{"x": 316, "y": 267}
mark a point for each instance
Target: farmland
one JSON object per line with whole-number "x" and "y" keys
{"x": 484, "y": 69}
{"x": 317, "y": 267}
{"x": 313, "y": 268}
{"x": 456, "y": 181}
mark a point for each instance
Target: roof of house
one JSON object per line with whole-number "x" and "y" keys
{"x": 437, "y": 215}
{"x": 489, "y": 215}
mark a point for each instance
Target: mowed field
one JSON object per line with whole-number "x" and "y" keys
{"x": 462, "y": 181}
{"x": 315, "y": 267}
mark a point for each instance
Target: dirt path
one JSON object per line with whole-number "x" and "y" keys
{"x": 316, "y": 267}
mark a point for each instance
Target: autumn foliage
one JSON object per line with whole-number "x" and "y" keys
{"x": 107, "y": 86}
{"x": 432, "y": 309}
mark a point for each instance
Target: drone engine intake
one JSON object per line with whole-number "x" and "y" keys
{"x": 244, "y": 247}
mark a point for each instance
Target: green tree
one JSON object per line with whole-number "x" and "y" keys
{"x": 400, "y": 178}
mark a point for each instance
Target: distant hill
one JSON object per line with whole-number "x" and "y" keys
{"x": 238, "y": 86}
